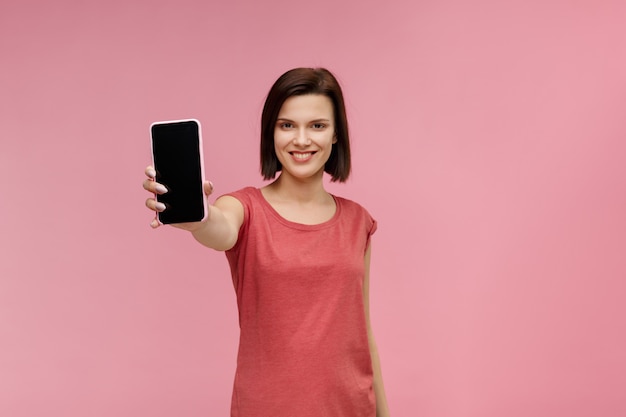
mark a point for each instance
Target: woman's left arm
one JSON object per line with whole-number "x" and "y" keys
{"x": 382, "y": 409}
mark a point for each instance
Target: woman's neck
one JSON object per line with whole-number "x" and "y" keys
{"x": 288, "y": 188}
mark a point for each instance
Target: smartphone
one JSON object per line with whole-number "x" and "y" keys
{"x": 179, "y": 165}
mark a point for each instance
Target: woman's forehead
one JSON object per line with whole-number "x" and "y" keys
{"x": 309, "y": 106}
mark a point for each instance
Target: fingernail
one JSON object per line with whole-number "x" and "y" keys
{"x": 151, "y": 173}
{"x": 211, "y": 185}
{"x": 160, "y": 188}
{"x": 160, "y": 206}
{"x": 154, "y": 223}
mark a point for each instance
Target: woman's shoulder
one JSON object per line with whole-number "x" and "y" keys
{"x": 249, "y": 190}
{"x": 356, "y": 214}
{"x": 245, "y": 194}
{"x": 346, "y": 202}
{"x": 245, "y": 197}
{"x": 351, "y": 206}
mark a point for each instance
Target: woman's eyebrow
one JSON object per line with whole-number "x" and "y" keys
{"x": 284, "y": 119}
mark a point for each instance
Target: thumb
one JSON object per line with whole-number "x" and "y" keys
{"x": 208, "y": 188}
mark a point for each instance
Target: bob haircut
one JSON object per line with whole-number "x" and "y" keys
{"x": 303, "y": 81}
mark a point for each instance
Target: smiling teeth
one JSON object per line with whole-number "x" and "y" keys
{"x": 301, "y": 155}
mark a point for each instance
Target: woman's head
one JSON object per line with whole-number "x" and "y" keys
{"x": 302, "y": 81}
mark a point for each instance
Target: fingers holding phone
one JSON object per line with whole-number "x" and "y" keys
{"x": 153, "y": 187}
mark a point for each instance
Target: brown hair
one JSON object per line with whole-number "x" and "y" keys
{"x": 301, "y": 81}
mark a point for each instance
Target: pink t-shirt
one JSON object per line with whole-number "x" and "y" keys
{"x": 303, "y": 349}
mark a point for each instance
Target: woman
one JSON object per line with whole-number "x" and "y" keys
{"x": 299, "y": 259}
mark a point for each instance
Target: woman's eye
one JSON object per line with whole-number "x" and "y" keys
{"x": 286, "y": 125}
{"x": 319, "y": 126}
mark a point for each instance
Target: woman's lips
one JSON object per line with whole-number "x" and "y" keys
{"x": 302, "y": 156}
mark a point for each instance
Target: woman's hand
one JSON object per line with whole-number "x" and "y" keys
{"x": 154, "y": 187}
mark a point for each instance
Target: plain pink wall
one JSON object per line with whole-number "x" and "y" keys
{"x": 489, "y": 142}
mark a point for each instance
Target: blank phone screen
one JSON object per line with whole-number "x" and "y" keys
{"x": 176, "y": 154}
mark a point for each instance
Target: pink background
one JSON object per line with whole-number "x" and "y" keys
{"x": 489, "y": 142}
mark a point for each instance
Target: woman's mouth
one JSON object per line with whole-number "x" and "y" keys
{"x": 301, "y": 156}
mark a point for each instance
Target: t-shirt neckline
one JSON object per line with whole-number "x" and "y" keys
{"x": 295, "y": 225}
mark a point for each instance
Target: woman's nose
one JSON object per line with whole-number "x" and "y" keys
{"x": 301, "y": 138}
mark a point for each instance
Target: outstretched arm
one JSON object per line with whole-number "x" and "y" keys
{"x": 218, "y": 231}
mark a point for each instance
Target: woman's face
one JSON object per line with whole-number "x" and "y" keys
{"x": 304, "y": 135}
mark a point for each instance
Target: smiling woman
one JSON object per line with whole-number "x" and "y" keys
{"x": 304, "y": 136}
{"x": 306, "y": 345}
{"x": 290, "y": 86}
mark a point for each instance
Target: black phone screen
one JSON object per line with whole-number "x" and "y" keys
{"x": 176, "y": 152}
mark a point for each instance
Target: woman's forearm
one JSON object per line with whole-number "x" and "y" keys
{"x": 382, "y": 408}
